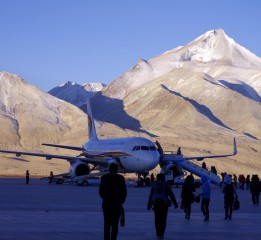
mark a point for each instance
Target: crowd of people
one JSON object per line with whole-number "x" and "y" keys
{"x": 113, "y": 192}
{"x": 241, "y": 181}
{"x": 248, "y": 183}
{"x": 161, "y": 197}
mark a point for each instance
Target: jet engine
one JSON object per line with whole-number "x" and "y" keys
{"x": 79, "y": 169}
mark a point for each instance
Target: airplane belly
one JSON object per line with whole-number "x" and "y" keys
{"x": 130, "y": 163}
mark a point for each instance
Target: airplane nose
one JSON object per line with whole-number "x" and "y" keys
{"x": 155, "y": 161}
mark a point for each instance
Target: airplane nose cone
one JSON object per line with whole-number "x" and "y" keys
{"x": 147, "y": 162}
{"x": 154, "y": 160}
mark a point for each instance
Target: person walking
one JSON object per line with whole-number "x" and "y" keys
{"x": 179, "y": 151}
{"x": 243, "y": 180}
{"x": 248, "y": 182}
{"x": 159, "y": 199}
{"x": 51, "y": 177}
{"x": 113, "y": 192}
{"x": 187, "y": 195}
{"x": 205, "y": 195}
{"x": 152, "y": 178}
{"x": 235, "y": 180}
{"x": 229, "y": 190}
{"x": 27, "y": 177}
{"x": 204, "y": 165}
{"x": 255, "y": 189}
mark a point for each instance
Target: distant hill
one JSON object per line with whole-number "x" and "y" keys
{"x": 31, "y": 116}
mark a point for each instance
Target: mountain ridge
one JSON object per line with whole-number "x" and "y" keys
{"x": 192, "y": 56}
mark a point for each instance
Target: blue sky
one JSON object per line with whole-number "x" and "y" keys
{"x": 49, "y": 42}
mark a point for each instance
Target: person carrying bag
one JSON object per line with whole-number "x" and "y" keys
{"x": 236, "y": 204}
{"x": 159, "y": 201}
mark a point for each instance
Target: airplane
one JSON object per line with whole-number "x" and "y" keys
{"x": 132, "y": 154}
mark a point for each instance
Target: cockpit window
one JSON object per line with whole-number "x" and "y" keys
{"x": 134, "y": 148}
{"x": 144, "y": 148}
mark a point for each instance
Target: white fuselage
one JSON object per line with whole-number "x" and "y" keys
{"x": 133, "y": 154}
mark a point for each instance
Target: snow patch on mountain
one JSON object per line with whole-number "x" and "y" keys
{"x": 76, "y": 94}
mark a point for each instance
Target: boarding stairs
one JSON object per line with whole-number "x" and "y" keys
{"x": 169, "y": 158}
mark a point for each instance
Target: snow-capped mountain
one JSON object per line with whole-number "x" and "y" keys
{"x": 213, "y": 71}
{"x": 204, "y": 92}
{"x": 76, "y": 94}
{"x": 213, "y": 53}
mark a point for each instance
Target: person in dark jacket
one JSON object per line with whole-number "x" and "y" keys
{"x": 255, "y": 189}
{"x": 187, "y": 195}
{"x": 229, "y": 190}
{"x": 113, "y": 192}
{"x": 27, "y": 177}
{"x": 248, "y": 182}
{"x": 179, "y": 151}
{"x": 159, "y": 199}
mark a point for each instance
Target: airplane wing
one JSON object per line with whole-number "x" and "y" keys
{"x": 101, "y": 162}
{"x": 64, "y": 146}
{"x": 200, "y": 158}
{"x": 57, "y": 175}
{"x": 95, "y": 174}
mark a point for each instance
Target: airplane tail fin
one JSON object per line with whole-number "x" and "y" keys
{"x": 91, "y": 125}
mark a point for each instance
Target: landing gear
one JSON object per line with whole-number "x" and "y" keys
{"x": 83, "y": 183}
{"x": 143, "y": 179}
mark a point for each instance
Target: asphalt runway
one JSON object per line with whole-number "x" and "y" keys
{"x": 42, "y": 211}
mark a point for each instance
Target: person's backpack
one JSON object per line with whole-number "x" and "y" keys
{"x": 160, "y": 193}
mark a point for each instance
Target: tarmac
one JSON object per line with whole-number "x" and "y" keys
{"x": 40, "y": 211}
